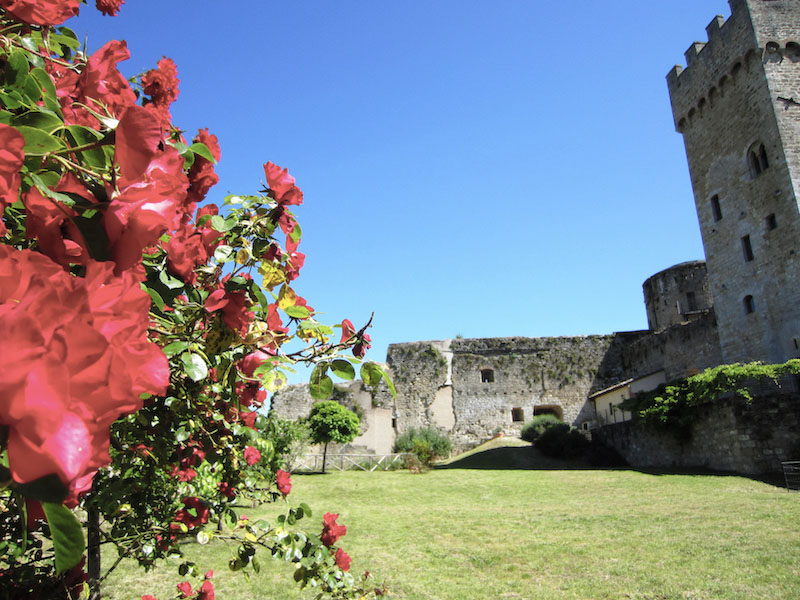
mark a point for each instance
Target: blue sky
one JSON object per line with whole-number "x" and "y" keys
{"x": 476, "y": 168}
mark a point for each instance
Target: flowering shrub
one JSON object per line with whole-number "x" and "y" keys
{"x": 141, "y": 330}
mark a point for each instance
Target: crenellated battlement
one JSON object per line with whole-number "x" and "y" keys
{"x": 757, "y": 30}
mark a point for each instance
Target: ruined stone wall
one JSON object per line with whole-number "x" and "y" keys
{"x": 739, "y": 92}
{"x": 680, "y": 350}
{"x": 727, "y": 435}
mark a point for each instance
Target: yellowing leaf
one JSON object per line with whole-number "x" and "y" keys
{"x": 286, "y": 298}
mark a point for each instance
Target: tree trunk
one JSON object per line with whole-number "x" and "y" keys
{"x": 324, "y": 455}
{"x": 93, "y": 550}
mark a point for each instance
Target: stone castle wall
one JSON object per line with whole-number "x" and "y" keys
{"x": 676, "y": 295}
{"x": 729, "y": 434}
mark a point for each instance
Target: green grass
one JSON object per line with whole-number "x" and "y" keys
{"x": 468, "y": 534}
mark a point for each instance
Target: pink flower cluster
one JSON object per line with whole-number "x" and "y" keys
{"x": 74, "y": 358}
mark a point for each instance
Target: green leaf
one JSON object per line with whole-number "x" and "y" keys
{"x": 83, "y": 136}
{"x": 223, "y": 254}
{"x": 38, "y": 119}
{"x": 44, "y": 188}
{"x": 194, "y": 365}
{"x": 343, "y": 370}
{"x": 175, "y": 348}
{"x": 320, "y": 385}
{"x": 155, "y": 297}
{"x": 45, "y": 489}
{"x": 37, "y": 142}
{"x": 296, "y": 233}
{"x": 221, "y": 225}
{"x": 168, "y": 280}
{"x": 203, "y": 151}
{"x": 371, "y": 373}
{"x": 297, "y": 312}
{"x": 67, "y": 535}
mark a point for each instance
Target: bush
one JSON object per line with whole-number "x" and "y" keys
{"x": 562, "y": 441}
{"x": 537, "y": 426}
{"x": 427, "y": 444}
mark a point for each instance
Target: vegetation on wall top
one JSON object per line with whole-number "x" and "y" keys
{"x": 666, "y": 405}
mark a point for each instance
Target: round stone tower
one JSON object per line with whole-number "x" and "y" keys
{"x": 677, "y": 294}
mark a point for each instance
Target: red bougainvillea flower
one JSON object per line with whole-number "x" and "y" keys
{"x": 42, "y": 12}
{"x": 248, "y": 365}
{"x": 149, "y": 597}
{"x": 11, "y": 159}
{"x": 99, "y": 85}
{"x": 110, "y": 8}
{"x": 185, "y": 589}
{"x": 284, "y": 482}
{"x": 74, "y": 358}
{"x": 185, "y": 251}
{"x": 251, "y": 455}
{"x": 331, "y": 530}
{"x": 201, "y": 175}
{"x": 137, "y": 138}
{"x": 226, "y": 489}
{"x": 52, "y": 225}
{"x": 206, "y": 591}
{"x": 282, "y": 185}
{"x": 191, "y": 505}
{"x": 145, "y": 208}
{"x": 342, "y": 560}
{"x": 161, "y": 84}
{"x": 348, "y": 331}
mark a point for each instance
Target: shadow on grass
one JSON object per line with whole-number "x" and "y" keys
{"x": 529, "y": 458}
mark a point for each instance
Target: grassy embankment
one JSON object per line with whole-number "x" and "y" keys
{"x": 515, "y": 533}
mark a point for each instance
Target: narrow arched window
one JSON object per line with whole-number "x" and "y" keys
{"x": 749, "y": 304}
{"x": 757, "y": 159}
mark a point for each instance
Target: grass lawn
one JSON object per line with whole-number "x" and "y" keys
{"x": 518, "y": 533}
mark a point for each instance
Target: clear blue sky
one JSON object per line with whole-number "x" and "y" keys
{"x": 469, "y": 167}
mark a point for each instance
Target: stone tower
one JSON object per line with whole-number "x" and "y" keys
{"x": 737, "y": 104}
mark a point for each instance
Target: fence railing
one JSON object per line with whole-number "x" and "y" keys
{"x": 349, "y": 462}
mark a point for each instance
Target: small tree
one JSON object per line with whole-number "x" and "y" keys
{"x": 329, "y": 421}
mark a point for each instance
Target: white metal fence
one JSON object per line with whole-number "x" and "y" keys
{"x": 349, "y": 462}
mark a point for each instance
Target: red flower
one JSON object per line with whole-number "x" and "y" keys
{"x": 185, "y": 589}
{"x": 149, "y": 597}
{"x": 100, "y": 86}
{"x": 51, "y": 223}
{"x": 252, "y": 361}
{"x": 11, "y": 159}
{"x": 342, "y": 560}
{"x": 251, "y": 455}
{"x": 284, "y": 482}
{"x": 226, "y": 490}
{"x": 161, "y": 84}
{"x": 194, "y": 513}
{"x": 331, "y": 530}
{"x": 202, "y": 176}
{"x": 206, "y": 591}
{"x": 348, "y": 331}
{"x": 42, "y": 12}
{"x": 282, "y": 185}
{"x": 74, "y": 358}
{"x": 110, "y": 8}
{"x": 138, "y": 136}
{"x": 145, "y": 208}
{"x": 185, "y": 251}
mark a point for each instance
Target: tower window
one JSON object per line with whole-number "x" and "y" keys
{"x": 691, "y": 302}
{"x": 757, "y": 159}
{"x": 487, "y": 376}
{"x": 771, "y": 222}
{"x": 747, "y": 248}
{"x": 749, "y": 304}
{"x": 517, "y": 415}
{"x": 716, "y": 210}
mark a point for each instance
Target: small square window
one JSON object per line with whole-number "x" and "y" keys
{"x": 487, "y": 376}
{"x": 517, "y": 415}
{"x": 771, "y": 221}
{"x": 691, "y": 302}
